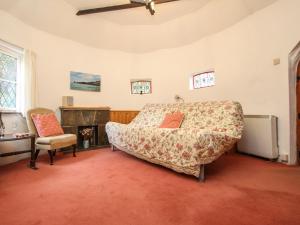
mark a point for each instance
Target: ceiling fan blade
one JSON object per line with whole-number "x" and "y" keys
{"x": 164, "y": 1}
{"x": 109, "y": 8}
{"x": 118, "y": 7}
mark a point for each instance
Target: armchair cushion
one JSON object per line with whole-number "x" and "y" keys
{"x": 54, "y": 142}
{"x": 46, "y": 124}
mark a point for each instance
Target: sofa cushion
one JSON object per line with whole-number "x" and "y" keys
{"x": 172, "y": 120}
{"x": 46, "y": 124}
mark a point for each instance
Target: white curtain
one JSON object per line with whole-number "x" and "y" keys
{"x": 28, "y": 85}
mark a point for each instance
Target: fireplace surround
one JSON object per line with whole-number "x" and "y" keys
{"x": 74, "y": 119}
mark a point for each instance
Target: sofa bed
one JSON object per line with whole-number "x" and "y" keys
{"x": 208, "y": 130}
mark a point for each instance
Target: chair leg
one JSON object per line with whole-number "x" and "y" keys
{"x": 37, "y": 151}
{"x": 201, "y": 175}
{"x": 50, "y": 153}
{"x": 54, "y": 152}
{"x": 113, "y": 148}
{"x": 74, "y": 150}
{"x": 32, "y": 154}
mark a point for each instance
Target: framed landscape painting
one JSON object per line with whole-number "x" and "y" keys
{"x": 85, "y": 82}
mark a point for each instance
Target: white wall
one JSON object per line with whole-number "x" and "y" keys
{"x": 56, "y": 57}
{"x": 241, "y": 55}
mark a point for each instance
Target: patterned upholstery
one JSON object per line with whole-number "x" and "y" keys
{"x": 209, "y": 129}
{"x": 46, "y": 124}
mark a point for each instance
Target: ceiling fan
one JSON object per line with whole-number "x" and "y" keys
{"x": 149, "y": 4}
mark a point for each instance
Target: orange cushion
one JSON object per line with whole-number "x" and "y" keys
{"x": 173, "y": 120}
{"x": 46, "y": 124}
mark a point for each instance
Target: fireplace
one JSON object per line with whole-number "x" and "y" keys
{"x": 75, "y": 119}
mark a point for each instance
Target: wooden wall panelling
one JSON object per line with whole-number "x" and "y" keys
{"x": 298, "y": 106}
{"x": 123, "y": 116}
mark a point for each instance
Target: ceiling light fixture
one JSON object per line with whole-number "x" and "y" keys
{"x": 150, "y": 4}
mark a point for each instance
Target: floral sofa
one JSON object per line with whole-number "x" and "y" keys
{"x": 208, "y": 130}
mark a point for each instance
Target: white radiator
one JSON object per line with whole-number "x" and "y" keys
{"x": 260, "y": 136}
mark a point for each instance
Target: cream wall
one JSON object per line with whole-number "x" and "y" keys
{"x": 241, "y": 55}
{"x": 56, "y": 57}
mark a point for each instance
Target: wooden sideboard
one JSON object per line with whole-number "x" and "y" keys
{"x": 74, "y": 119}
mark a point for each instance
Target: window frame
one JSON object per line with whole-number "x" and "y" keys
{"x": 16, "y": 53}
{"x": 199, "y": 74}
{"x": 142, "y": 80}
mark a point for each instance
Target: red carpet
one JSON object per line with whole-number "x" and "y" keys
{"x": 112, "y": 188}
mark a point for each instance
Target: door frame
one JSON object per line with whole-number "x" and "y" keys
{"x": 294, "y": 60}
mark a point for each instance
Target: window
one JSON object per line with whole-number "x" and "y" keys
{"x": 10, "y": 64}
{"x": 141, "y": 87}
{"x": 202, "y": 80}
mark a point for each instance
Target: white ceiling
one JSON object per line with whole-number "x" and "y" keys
{"x": 133, "y": 30}
{"x": 139, "y": 16}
